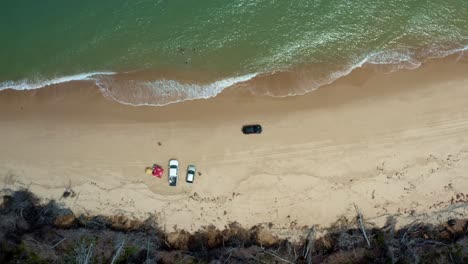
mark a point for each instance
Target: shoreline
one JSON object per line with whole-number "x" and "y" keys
{"x": 391, "y": 143}
{"x": 169, "y": 86}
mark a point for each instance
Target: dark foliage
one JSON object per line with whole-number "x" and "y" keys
{"x": 31, "y": 232}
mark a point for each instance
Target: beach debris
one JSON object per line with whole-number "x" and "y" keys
{"x": 361, "y": 225}
{"x": 118, "y": 252}
{"x": 452, "y": 222}
{"x": 278, "y": 257}
{"x": 68, "y": 192}
{"x": 310, "y": 241}
{"x": 84, "y": 253}
{"x": 58, "y": 243}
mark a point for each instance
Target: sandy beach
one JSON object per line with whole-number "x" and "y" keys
{"x": 393, "y": 144}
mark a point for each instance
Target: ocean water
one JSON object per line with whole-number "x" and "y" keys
{"x": 156, "y": 52}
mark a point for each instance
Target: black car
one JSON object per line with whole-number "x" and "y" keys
{"x": 252, "y": 129}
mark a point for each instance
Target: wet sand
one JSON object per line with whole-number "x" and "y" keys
{"x": 393, "y": 144}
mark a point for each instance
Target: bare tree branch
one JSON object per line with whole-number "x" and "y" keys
{"x": 84, "y": 253}
{"x": 147, "y": 250}
{"x": 361, "y": 225}
{"x": 58, "y": 243}
{"x": 276, "y": 256}
{"x": 228, "y": 257}
{"x": 117, "y": 253}
{"x": 310, "y": 244}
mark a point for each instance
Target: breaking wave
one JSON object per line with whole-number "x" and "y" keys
{"x": 310, "y": 79}
{"x": 133, "y": 90}
{"x": 31, "y": 85}
{"x": 163, "y": 92}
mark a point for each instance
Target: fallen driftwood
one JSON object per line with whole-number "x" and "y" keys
{"x": 117, "y": 253}
{"x": 310, "y": 241}
{"x": 278, "y": 257}
{"x": 58, "y": 243}
{"x": 361, "y": 225}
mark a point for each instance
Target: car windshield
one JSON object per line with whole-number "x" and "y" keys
{"x": 173, "y": 167}
{"x": 191, "y": 172}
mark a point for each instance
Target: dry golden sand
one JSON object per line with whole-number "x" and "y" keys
{"x": 393, "y": 144}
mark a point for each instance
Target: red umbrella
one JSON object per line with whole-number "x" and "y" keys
{"x": 157, "y": 171}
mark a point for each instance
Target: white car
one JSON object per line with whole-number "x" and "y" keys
{"x": 190, "y": 173}
{"x": 173, "y": 171}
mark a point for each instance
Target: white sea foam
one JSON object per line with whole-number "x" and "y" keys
{"x": 164, "y": 92}
{"x": 442, "y": 54}
{"x": 315, "y": 84}
{"x": 409, "y": 60}
{"x": 396, "y": 60}
{"x": 30, "y": 85}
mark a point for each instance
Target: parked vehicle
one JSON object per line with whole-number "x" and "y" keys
{"x": 173, "y": 172}
{"x": 252, "y": 129}
{"x": 190, "y": 173}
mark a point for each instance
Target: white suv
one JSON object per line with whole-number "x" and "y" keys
{"x": 173, "y": 171}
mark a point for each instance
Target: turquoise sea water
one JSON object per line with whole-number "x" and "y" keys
{"x": 229, "y": 41}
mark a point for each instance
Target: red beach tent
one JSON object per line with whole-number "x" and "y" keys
{"x": 157, "y": 171}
